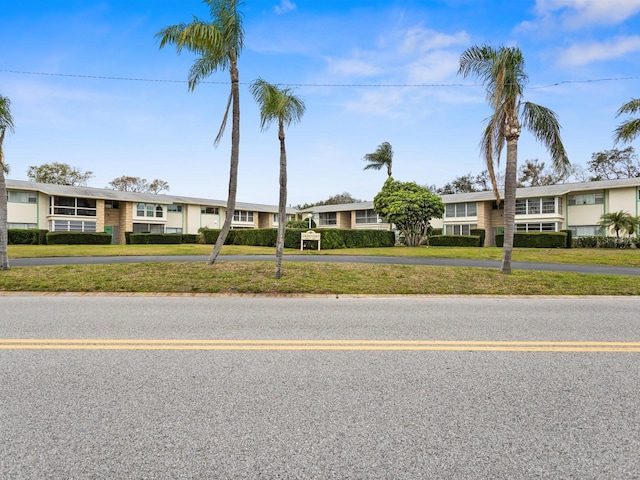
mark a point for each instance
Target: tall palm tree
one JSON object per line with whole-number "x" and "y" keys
{"x": 628, "y": 130}
{"x": 6, "y": 123}
{"x": 218, "y": 44}
{"x": 382, "y": 157}
{"x": 282, "y": 106}
{"x": 502, "y": 72}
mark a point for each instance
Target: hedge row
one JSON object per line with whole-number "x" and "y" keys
{"x": 455, "y": 241}
{"x": 605, "y": 242}
{"x": 536, "y": 239}
{"x": 27, "y": 237}
{"x": 330, "y": 238}
{"x": 78, "y": 238}
{"x": 481, "y": 233}
{"x": 161, "y": 238}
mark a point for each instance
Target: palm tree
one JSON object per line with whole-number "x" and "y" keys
{"x": 618, "y": 221}
{"x": 6, "y": 123}
{"x": 382, "y": 157}
{"x": 627, "y": 131}
{"x": 281, "y": 105}
{"x": 502, "y": 72}
{"x": 218, "y": 44}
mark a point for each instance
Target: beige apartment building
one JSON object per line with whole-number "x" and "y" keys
{"x": 571, "y": 206}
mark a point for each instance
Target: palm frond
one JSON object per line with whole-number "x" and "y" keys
{"x": 276, "y": 103}
{"x": 544, "y": 125}
{"x": 628, "y": 130}
{"x": 6, "y": 119}
{"x": 223, "y": 124}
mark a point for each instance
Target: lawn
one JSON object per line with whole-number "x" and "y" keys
{"x": 257, "y": 277}
{"x": 587, "y": 256}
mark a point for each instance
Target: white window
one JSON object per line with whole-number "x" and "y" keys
{"x": 535, "y": 206}
{"x": 243, "y": 216}
{"x": 587, "y": 231}
{"x": 536, "y": 227}
{"x": 209, "y": 210}
{"x": 329, "y": 218}
{"x": 15, "y": 196}
{"x": 149, "y": 210}
{"x": 586, "y": 199}
{"x": 174, "y": 208}
{"x": 366, "y": 216}
{"x": 22, "y": 226}
{"x": 72, "y": 226}
{"x": 82, "y": 207}
{"x": 468, "y": 209}
{"x": 173, "y": 230}
{"x": 463, "y": 229}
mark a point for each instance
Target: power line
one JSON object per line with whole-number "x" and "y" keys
{"x": 352, "y": 85}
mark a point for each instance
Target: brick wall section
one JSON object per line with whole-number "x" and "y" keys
{"x": 264, "y": 220}
{"x": 344, "y": 220}
{"x": 100, "y": 220}
{"x": 126, "y": 220}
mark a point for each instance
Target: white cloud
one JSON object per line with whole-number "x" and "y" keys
{"x": 585, "y": 53}
{"x": 576, "y": 14}
{"x": 285, "y": 6}
{"x": 418, "y": 39}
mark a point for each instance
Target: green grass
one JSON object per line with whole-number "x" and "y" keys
{"x": 587, "y": 256}
{"x": 318, "y": 278}
{"x": 308, "y": 278}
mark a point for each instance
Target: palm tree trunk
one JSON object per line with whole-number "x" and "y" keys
{"x": 4, "y": 240}
{"x": 282, "y": 203}
{"x": 233, "y": 167}
{"x": 509, "y": 203}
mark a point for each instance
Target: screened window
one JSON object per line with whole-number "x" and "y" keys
{"x": 209, "y": 210}
{"x": 73, "y": 226}
{"x": 521, "y": 206}
{"x": 459, "y": 229}
{"x": 15, "y": 196}
{"x": 536, "y": 227}
{"x": 22, "y": 226}
{"x": 587, "y": 231}
{"x": 535, "y": 206}
{"x": 174, "y": 208}
{"x": 111, "y": 204}
{"x": 148, "y": 228}
{"x": 242, "y": 216}
{"x": 586, "y": 199}
{"x": 149, "y": 210}
{"x": 173, "y": 230}
{"x": 468, "y": 209}
{"x": 329, "y": 218}
{"x": 366, "y": 216}
{"x": 85, "y": 207}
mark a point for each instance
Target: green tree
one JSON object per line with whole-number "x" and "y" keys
{"x": 6, "y": 124}
{"x": 502, "y": 72}
{"x": 282, "y": 106}
{"x": 614, "y": 164}
{"x": 628, "y": 130}
{"x": 218, "y": 44}
{"x": 619, "y": 221}
{"x": 382, "y": 157}
{"x": 59, "y": 174}
{"x": 462, "y": 184}
{"x": 127, "y": 183}
{"x": 337, "y": 199}
{"x": 533, "y": 173}
{"x": 410, "y": 207}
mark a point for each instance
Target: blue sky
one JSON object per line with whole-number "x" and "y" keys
{"x": 582, "y": 57}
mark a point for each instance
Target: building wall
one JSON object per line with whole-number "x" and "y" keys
{"x": 23, "y": 213}
{"x": 175, "y": 220}
{"x": 265, "y": 220}
{"x": 624, "y": 199}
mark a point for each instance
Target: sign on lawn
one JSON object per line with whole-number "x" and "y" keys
{"x": 309, "y": 235}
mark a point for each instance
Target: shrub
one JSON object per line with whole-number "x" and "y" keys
{"x": 190, "y": 238}
{"x": 155, "y": 238}
{"x": 27, "y": 236}
{"x": 455, "y": 241}
{"x": 569, "y": 238}
{"x": 604, "y": 242}
{"x": 78, "y": 238}
{"x": 480, "y": 232}
{"x": 535, "y": 239}
{"x": 436, "y": 231}
{"x": 301, "y": 224}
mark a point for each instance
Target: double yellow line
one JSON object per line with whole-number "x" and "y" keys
{"x": 316, "y": 345}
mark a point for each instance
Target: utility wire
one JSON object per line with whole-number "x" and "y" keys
{"x": 353, "y": 85}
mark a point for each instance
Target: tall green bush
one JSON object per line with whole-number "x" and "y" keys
{"x": 455, "y": 241}
{"x": 30, "y": 236}
{"x": 78, "y": 238}
{"x": 536, "y": 239}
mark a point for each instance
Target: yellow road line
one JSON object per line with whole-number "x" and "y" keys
{"x": 316, "y": 345}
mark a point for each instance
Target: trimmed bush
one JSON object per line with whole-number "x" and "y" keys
{"x": 330, "y": 238}
{"x": 569, "y": 238}
{"x": 78, "y": 238}
{"x": 18, "y": 236}
{"x": 604, "y": 242}
{"x": 436, "y": 232}
{"x": 301, "y": 224}
{"x": 480, "y": 232}
{"x": 190, "y": 238}
{"x": 535, "y": 240}
{"x": 155, "y": 238}
{"x": 455, "y": 241}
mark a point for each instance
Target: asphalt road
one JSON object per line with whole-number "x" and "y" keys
{"x": 171, "y": 403}
{"x": 453, "y": 262}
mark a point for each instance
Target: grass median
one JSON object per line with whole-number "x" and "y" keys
{"x": 315, "y": 278}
